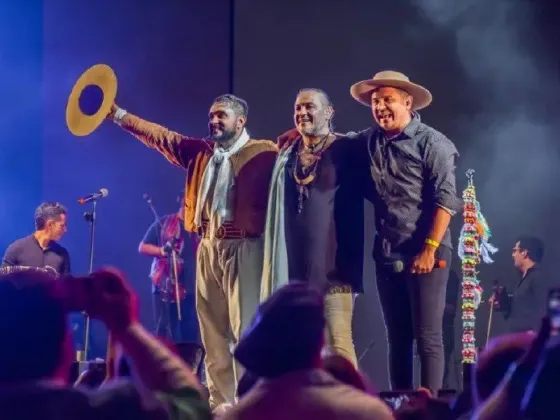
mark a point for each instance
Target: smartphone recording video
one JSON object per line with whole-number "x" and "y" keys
{"x": 397, "y": 399}
{"x": 554, "y": 310}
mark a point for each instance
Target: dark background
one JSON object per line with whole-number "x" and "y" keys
{"x": 492, "y": 68}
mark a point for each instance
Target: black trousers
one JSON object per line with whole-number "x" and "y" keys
{"x": 167, "y": 323}
{"x": 413, "y": 307}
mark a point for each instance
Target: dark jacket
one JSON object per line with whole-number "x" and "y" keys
{"x": 527, "y": 303}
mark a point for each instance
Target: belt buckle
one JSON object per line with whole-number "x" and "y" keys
{"x": 220, "y": 233}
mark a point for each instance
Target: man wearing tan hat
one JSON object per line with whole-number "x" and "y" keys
{"x": 225, "y": 202}
{"x": 413, "y": 169}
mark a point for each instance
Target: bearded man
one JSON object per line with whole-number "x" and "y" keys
{"x": 315, "y": 219}
{"x": 225, "y": 202}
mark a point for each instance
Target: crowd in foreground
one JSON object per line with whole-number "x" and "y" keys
{"x": 288, "y": 371}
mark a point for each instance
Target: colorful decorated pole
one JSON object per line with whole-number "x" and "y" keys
{"x": 473, "y": 248}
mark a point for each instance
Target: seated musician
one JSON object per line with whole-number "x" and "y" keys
{"x": 41, "y": 248}
{"x": 165, "y": 235}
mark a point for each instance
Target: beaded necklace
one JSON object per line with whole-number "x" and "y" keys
{"x": 304, "y": 176}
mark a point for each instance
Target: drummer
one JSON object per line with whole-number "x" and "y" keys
{"x": 41, "y": 248}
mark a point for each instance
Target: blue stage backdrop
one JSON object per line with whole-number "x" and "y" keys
{"x": 171, "y": 60}
{"x": 21, "y": 117}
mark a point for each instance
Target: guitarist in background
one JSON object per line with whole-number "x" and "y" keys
{"x": 166, "y": 234}
{"x": 41, "y": 248}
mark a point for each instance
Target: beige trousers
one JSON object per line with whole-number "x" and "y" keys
{"x": 228, "y": 279}
{"x": 339, "y": 308}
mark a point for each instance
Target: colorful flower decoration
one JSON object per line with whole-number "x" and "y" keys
{"x": 473, "y": 248}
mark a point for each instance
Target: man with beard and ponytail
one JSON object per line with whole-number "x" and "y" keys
{"x": 315, "y": 219}
{"x": 226, "y": 193}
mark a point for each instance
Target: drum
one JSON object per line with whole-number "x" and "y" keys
{"x": 9, "y": 269}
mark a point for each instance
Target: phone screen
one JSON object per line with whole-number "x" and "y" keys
{"x": 396, "y": 400}
{"x": 554, "y": 310}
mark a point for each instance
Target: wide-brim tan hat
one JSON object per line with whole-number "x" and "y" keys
{"x": 95, "y": 90}
{"x": 361, "y": 91}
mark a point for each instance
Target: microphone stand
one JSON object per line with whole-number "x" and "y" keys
{"x": 91, "y": 218}
{"x": 176, "y": 276}
{"x": 495, "y": 287}
{"x": 368, "y": 348}
{"x": 156, "y": 217}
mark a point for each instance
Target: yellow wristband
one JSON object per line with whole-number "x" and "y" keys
{"x": 431, "y": 242}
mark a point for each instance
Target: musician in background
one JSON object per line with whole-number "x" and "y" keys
{"x": 41, "y": 249}
{"x": 526, "y": 304}
{"x": 166, "y": 234}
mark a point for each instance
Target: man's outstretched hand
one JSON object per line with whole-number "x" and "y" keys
{"x": 111, "y": 113}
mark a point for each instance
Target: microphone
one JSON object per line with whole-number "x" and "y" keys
{"x": 398, "y": 265}
{"x": 103, "y": 192}
{"x": 147, "y": 198}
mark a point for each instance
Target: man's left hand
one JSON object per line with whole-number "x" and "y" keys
{"x": 424, "y": 262}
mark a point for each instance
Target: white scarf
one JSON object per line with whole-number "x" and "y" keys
{"x": 224, "y": 181}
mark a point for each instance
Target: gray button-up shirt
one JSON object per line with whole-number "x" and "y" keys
{"x": 413, "y": 173}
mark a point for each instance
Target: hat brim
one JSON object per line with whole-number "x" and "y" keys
{"x": 361, "y": 91}
{"x": 102, "y": 76}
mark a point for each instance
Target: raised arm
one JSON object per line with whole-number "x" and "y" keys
{"x": 178, "y": 149}
{"x": 112, "y": 300}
